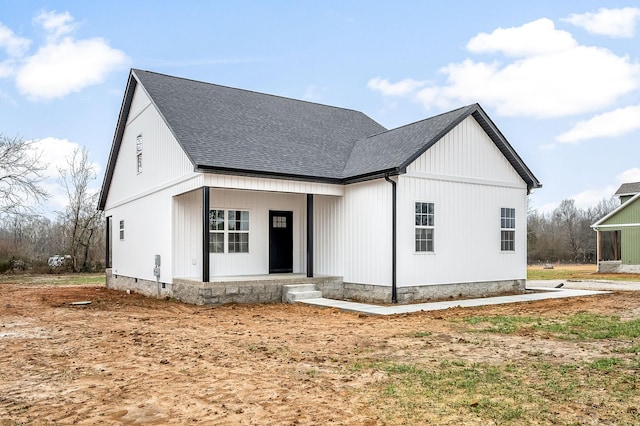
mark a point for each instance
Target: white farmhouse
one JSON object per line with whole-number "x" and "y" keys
{"x": 214, "y": 194}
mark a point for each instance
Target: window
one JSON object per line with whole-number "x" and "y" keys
{"x": 216, "y": 231}
{"x": 239, "y": 238}
{"x": 279, "y": 222}
{"x": 507, "y": 229}
{"x": 122, "y": 230}
{"x": 425, "y": 221}
{"x": 139, "y": 153}
{"x": 235, "y": 229}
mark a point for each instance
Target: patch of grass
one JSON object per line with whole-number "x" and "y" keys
{"x": 83, "y": 279}
{"x": 586, "y": 325}
{"x": 419, "y": 334}
{"x": 502, "y": 324}
{"x": 604, "y": 364}
{"x": 507, "y": 393}
{"x": 50, "y": 279}
{"x": 634, "y": 349}
{"x": 575, "y": 272}
{"x": 582, "y": 325}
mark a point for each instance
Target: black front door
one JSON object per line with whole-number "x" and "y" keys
{"x": 280, "y": 241}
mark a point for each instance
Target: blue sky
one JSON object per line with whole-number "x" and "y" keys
{"x": 561, "y": 79}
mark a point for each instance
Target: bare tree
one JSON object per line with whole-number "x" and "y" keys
{"x": 81, "y": 219}
{"x": 21, "y": 173}
{"x": 565, "y": 234}
{"x": 568, "y": 218}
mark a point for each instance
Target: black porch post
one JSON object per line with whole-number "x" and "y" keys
{"x": 205, "y": 234}
{"x": 107, "y": 245}
{"x": 310, "y": 235}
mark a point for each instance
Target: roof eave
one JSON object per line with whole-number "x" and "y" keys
{"x": 394, "y": 171}
{"x": 505, "y": 147}
{"x": 117, "y": 139}
{"x": 616, "y": 211}
{"x": 379, "y": 174}
{"x": 266, "y": 174}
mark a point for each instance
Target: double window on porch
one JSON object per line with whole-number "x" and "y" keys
{"x": 228, "y": 231}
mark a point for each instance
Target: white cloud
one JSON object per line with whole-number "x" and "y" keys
{"x": 63, "y": 64}
{"x": 67, "y": 66}
{"x": 542, "y": 72}
{"x": 591, "y": 197}
{"x": 55, "y": 153}
{"x": 548, "y": 207}
{"x": 631, "y": 175}
{"x": 314, "y": 93}
{"x": 401, "y": 88}
{"x": 55, "y": 24}
{"x": 609, "y": 22}
{"x": 14, "y": 46}
{"x": 534, "y": 38}
{"x": 607, "y": 125}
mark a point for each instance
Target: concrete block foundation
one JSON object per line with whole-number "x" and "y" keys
{"x": 367, "y": 293}
{"x": 617, "y": 267}
{"x": 138, "y": 285}
{"x": 269, "y": 289}
{"x": 260, "y": 289}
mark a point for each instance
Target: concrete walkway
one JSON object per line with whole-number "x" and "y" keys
{"x": 541, "y": 293}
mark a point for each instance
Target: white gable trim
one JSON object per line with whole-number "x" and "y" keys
{"x": 174, "y": 182}
{"x": 613, "y": 213}
{"x": 464, "y": 179}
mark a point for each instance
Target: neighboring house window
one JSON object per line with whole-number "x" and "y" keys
{"x": 425, "y": 221}
{"x": 236, "y": 231}
{"x": 122, "y": 229}
{"x": 507, "y": 229}
{"x": 139, "y": 153}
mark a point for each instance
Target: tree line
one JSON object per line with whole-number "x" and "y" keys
{"x": 77, "y": 232}
{"x": 565, "y": 234}
{"x": 27, "y": 239}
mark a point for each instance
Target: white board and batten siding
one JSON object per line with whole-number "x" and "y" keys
{"x": 143, "y": 200}
{"x": 166, "y": 195}
{"x": 352, "y": 234}
{"x": 188, "y": 232}
{"x": 258, "y": 196}
{"x": 469, "y": 181}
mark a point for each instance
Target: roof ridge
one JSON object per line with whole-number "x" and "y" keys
{"x": 454, "y": 111}
{"x": 420, "y": 121}
{"x": 249, "y": 91}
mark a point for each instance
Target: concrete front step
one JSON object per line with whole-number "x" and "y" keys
{"x": 292, "y": 293}
{"x": 296, "y": 296}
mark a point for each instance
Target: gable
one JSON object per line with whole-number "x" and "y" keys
{"x": 628, "y": 213}
{"x": 466, "y": 151}
{"x": 232, "y": 130}
{"x": 162, "y": 157}
{"x": 209, "y": 128}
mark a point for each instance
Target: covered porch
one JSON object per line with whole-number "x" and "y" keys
{"x": 618, "y": 249}
{"x": 247, "y": 235}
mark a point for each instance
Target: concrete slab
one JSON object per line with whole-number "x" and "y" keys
{"x": 540, "y": 293}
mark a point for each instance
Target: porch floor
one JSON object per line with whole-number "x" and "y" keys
{"x": 298, "y": 277}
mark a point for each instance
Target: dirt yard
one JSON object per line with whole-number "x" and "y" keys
{"x": 128, "y": 359}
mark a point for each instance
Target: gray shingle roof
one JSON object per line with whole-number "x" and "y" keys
{"x": 398, "y": 147}
{"x": 235, "y": 131}
{"x": 630, "y": 188}
{"x": 232, "y": 129}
